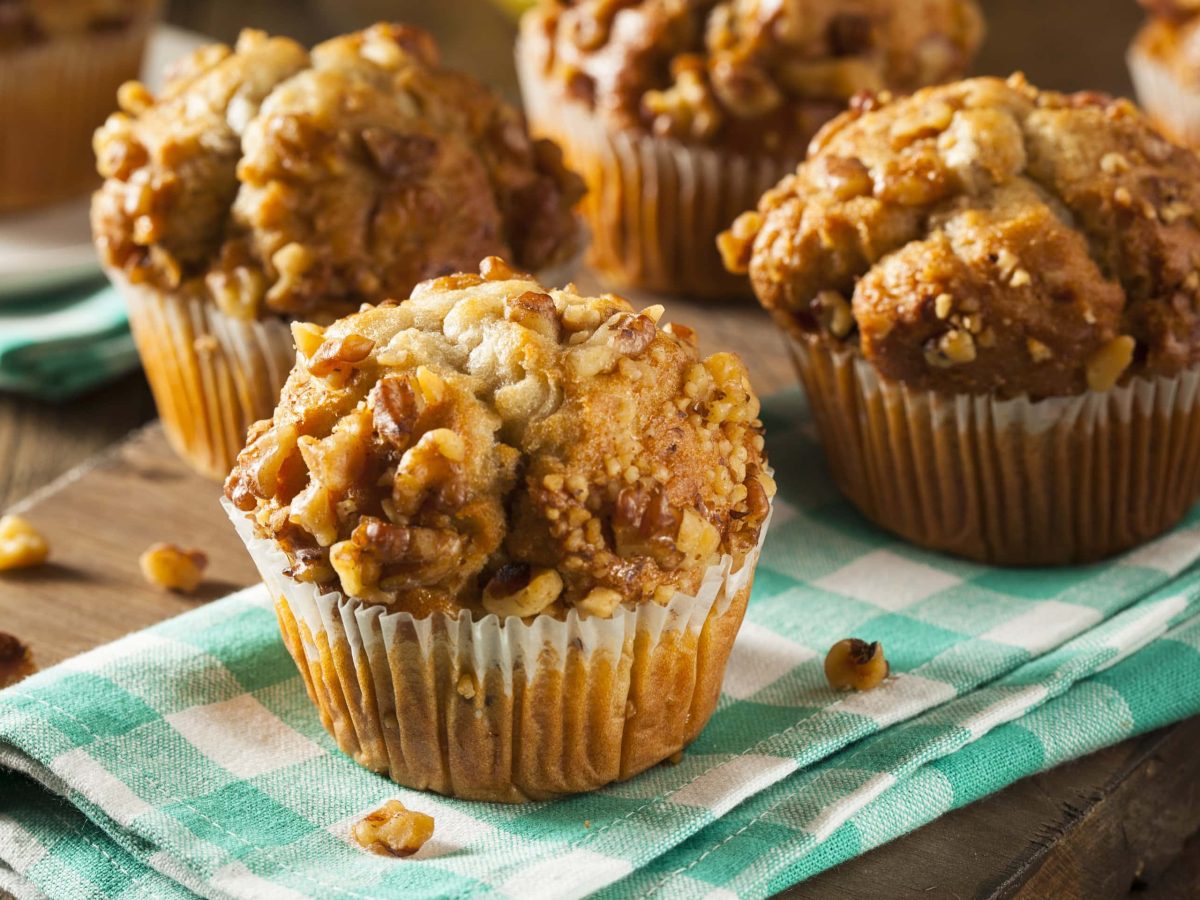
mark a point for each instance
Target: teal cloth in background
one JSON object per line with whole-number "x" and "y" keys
{"x": 59, "y": 345}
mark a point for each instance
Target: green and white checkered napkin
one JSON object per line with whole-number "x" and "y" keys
{"x": 190, "y": 759}
{"x": 57, "y": 346}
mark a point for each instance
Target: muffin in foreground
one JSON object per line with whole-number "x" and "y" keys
{"x": 510, "y": 533}
{"x": 1164, "y": 62}
{"x": 266, "y": 184}
{"x": 993, "y": 298}
{"x": 680, "y": 114}
{"x": 61, "y": 62}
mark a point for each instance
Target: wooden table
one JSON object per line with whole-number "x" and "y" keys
{"x": 1124, "y": 819}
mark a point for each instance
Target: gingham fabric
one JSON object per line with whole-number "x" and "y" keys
{"x": 58, "y": 345}
{"x": 189, "y": 753}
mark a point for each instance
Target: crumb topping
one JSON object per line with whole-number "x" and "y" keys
{"x": 987, "y": 237}
{"x": 751, "y": 74}
{"x": 275, "y": 181}
{"x": 494, "y": 445}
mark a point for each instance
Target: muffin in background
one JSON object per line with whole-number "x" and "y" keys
{"x": 993, "y": 298}
{"x": 498, "y": 509}
{"x": 266, "y": 184}
{"x": 680, "y": 114}
{"x": 61, "y": 62}
{"x": 1164, "y": 62}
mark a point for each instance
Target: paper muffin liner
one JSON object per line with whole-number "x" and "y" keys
{"x": 213, "y": 375}
{"x": 53, "y": 95}
{"x": 509, "y": 711}
{"x": 1013, "y": 482}
{"x": 1174, "y": 106}
{"x": 654, "y": 205}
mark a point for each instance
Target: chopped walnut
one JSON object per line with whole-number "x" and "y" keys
{"x": 171, "y": 567}
{"x": 16, "y": 660}
{"x": 393, "y": 830}
{"x": 519, "y": 589}
{"x": 21, "y": 545}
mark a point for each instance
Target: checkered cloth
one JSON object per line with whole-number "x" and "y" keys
{"x": 190, "y": 759}
{"x": 57, "y": 346}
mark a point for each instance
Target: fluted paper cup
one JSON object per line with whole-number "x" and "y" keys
{"x": 53, "y": 95}
{"x": 1014, "y": 482}
{"x": 213, "y": 375}
{"x": 654, "y": 205}
{"x": 508, "y": 710}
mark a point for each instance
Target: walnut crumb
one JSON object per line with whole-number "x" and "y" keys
{"x": 16, "y": 661}
{"x": 393, "y": 830}
{"x": 21, "y": 545}
{"x": 171, "y": 567}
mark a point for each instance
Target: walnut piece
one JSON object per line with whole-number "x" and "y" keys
{"x": 21, "y": 545}
{"x": 393, "y": 830}
{"x": 16, "y": 662}
{"x": 171, "y": 567}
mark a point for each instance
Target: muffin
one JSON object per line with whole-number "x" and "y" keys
{"x": 1164, "y": 61}
{"x": 679, "y": 113}
{"x": 61, "y": 61}
{"x": 510, "y": 532}
{"x": 267, "y": 184}
{"x": 992, "y": 297}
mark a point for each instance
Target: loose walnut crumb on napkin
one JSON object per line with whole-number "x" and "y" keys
{"x": 16, "y": 662}
{"x": 393, "y": 830}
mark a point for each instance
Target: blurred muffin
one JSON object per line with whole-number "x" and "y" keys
{"x": 499, "y": 509}
{"x": 1164, "y": 62}
{"x": 61, "y": 62}
{"x": 992, "y": 294}
{"x": 680, "y": 113}
{"x": 266, "y": 183}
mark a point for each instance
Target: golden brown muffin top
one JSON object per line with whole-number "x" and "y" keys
{"x": 277, "y": 181}
{"x": 25, "y": 22}
{"x": 987, "y": 237}
{"x": 748, "y": 74}
{"x": 497, "y": 446}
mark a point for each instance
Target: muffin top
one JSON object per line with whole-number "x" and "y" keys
{"x": 496, "y": 446}
{"x": 24, "y": 22}
{"x": 746, "y": 75}
{"x": 275, "y": 181}
{"x": 987, "y": 237}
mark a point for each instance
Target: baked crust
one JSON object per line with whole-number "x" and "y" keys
{"x": 276, "y": 181}
{"x": 493, "y": 445}
{"x": 758, "y": 76}
{"x": 987, "y": 237}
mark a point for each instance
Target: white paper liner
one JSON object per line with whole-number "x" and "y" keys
{"x": 1018, "y": 482}
{"x": 511, "y": 655}
{"x": 655, "y": 205}
{"x": 213, "y": 375}
{"x": 1173, "y": 105}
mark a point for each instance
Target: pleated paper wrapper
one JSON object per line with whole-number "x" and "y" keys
{"x": 509, "y": 711}
{"x": 1013, "y": 482}
{"x": 53, "y": 95}
{"x": 654, "y": 205}
{"x": 1174, "y": 106}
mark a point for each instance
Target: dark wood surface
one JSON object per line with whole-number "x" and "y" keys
{"x": 1121, "y": 821}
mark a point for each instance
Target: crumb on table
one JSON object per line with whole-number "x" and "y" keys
{"x": 393, "y": 830}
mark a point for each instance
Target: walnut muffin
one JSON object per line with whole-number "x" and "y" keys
{"x": 1164, "y": 61}
{"x": 69, "y": 56}
{"x": 685, "y": 111}
{"x": 493, "y": 464}
{"x": 267, "y": 183}
{"x": 989, "y": 288}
